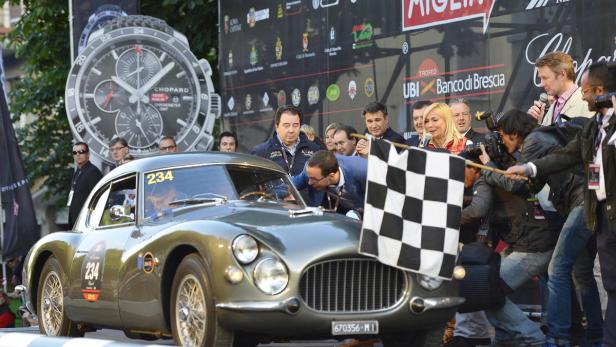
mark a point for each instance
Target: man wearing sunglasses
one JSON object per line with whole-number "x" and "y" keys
{"x": 84, "y": 179}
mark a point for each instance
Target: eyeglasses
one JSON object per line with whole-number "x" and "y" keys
{"x": 115, "y": 149}
{"x": 315, "y": 180}
{"x": 79, "y": 152}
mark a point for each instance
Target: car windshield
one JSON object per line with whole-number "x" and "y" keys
{"x": 171, "y": 188}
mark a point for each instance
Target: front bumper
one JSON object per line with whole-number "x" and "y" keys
{"x": 290, "y": 317}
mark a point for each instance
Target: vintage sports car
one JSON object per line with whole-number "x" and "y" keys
{"x": 217, "y": 249}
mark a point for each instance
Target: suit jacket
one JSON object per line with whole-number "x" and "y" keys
{"x": 355, "y": 171}
{"x": 83, "y": 182}
{"x": 574, "y": 107}
{"x": 581, "y": 151}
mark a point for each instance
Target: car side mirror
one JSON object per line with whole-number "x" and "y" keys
{"x": 116, "y": 212}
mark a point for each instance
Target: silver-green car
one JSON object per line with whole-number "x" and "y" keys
{"x": 215, "y": 249}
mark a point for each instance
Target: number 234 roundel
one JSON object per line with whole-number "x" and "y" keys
{"x": 92, "y": 272}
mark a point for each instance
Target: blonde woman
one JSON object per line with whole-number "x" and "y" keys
{"x": 439, "y": 123}
{"x": 329, "y": 136}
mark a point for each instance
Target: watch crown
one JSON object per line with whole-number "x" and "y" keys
{"x": 205, "y": 65}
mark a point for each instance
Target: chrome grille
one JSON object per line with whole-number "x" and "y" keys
{"x": 351, "y": 285}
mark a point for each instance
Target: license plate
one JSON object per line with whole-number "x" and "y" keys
{"x": 355, "y": 327}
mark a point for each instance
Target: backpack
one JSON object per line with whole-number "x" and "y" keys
{"x": 481, "y": 287}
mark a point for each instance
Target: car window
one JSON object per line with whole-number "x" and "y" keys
{"x": 97, "y": 207}
{"x": 168, "y": 189}
{"x": 121, "y": 203}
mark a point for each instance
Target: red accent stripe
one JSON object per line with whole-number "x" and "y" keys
{"x": 488, "y": 67}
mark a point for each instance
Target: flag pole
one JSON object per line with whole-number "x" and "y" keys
{"x": 468, "y": 162}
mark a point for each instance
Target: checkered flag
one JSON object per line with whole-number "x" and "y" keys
{"x": 412, "y": 210}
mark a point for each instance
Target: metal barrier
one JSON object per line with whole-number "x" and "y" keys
{"x": 31, "y": 340}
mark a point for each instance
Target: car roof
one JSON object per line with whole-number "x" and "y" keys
{"x": 152, "y": 163}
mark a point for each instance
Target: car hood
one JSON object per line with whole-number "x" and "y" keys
{"x": 306, "y": 237}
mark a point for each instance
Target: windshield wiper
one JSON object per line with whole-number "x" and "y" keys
{"x": 197, "y": 201}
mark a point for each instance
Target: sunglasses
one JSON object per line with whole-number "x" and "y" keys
{"x": 79, "y": 152}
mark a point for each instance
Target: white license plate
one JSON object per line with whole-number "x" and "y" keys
{"x": 360, "y": 327}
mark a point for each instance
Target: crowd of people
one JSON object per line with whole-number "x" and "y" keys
{"x": 551, "y": 225}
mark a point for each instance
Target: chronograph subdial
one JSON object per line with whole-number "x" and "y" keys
{"x": 109, "y": 97}
{"x": 137, "y": 65}
{"x": 141, "y": 130}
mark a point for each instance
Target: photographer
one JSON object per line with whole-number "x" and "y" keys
{"x": 472, "y": 329}
{"x": 575, "y": 246}
{"x": 530, "y": 242}
{"x": 594, "y": 149}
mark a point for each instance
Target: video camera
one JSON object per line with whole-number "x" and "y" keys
{"x": 605, "y": 101}
{"x": 492, "y": 141}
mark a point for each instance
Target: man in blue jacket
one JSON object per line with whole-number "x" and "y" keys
{"x": 288, "y": 147}
{"x": 340, "y": 179}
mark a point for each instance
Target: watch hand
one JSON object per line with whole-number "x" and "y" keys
{"x": 127, "y": 87}
{"x": 136, "y": 71}
{"x": 155, "y": 79}
{"x": 107, "y": 100}
{"x": 141, "y": 128}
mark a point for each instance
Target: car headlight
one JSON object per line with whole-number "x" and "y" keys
{"x": 245, "y": 249}
{"x": 271, "y": 276}
{"x": 429, "y": 283}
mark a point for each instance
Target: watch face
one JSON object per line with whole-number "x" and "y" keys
{"x": 138, "y": 84}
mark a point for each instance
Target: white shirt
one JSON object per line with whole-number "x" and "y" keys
{"x": 599, "y": 157}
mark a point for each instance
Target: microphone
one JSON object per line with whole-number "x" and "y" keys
{"x": 426, "y": 140}
{"x": 544, "y": 99}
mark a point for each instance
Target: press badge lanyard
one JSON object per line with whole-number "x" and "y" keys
{"x": 594, "y": 169}
{"x": 73, "y": 184}
{"x": 286, "y": 159}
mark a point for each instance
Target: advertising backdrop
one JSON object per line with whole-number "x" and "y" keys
{"x": 331, "y": 57}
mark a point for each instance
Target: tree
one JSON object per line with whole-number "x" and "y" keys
{"x": 41, "y": 40}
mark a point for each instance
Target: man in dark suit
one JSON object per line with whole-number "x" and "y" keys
{"x": 84, "y": 179}
{"x": 342, "y": 178}
{"x": 594, "y": 149}
{"x": 462, "y": 116}
{"x": 377, "y": 124}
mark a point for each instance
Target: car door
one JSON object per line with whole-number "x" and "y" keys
{"x": 97, "y": 264}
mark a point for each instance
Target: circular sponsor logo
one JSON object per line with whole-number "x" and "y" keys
{"x": 313, "y": 95}
{"x": 332, "y": 92}
{"x": 148, "y": 263}
{"x": 352, "y": 89}
{"x": 315, "y": 4}
{"x": 282, "y": 98}
{"x": 248, "y": 102}
{"x": 369, "y": 87}
{"x": 405, "y": 47}
{"x": 251, "y": 18}
{"x": 296, "y": 97}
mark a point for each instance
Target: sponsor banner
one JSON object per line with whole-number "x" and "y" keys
{"x": 331, "y": 58}
{"x": 430, "y": 83}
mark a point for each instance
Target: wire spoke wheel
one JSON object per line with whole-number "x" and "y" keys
{"x": 52, "y": 304}
{"x": 191, "y": 319}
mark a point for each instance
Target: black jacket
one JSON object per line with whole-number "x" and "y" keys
{"x": 581, "y": 151}
{"x": 390, "y": 135}
{"x": 523, "y": 231}
{"x": 272, "y": 150}
{"x": 474, "y": 136}
{"x": 566, "y": 186}
{"x": 83, "y": 182}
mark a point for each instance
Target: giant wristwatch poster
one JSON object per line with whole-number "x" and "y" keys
{"x": 332, "y": 57}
